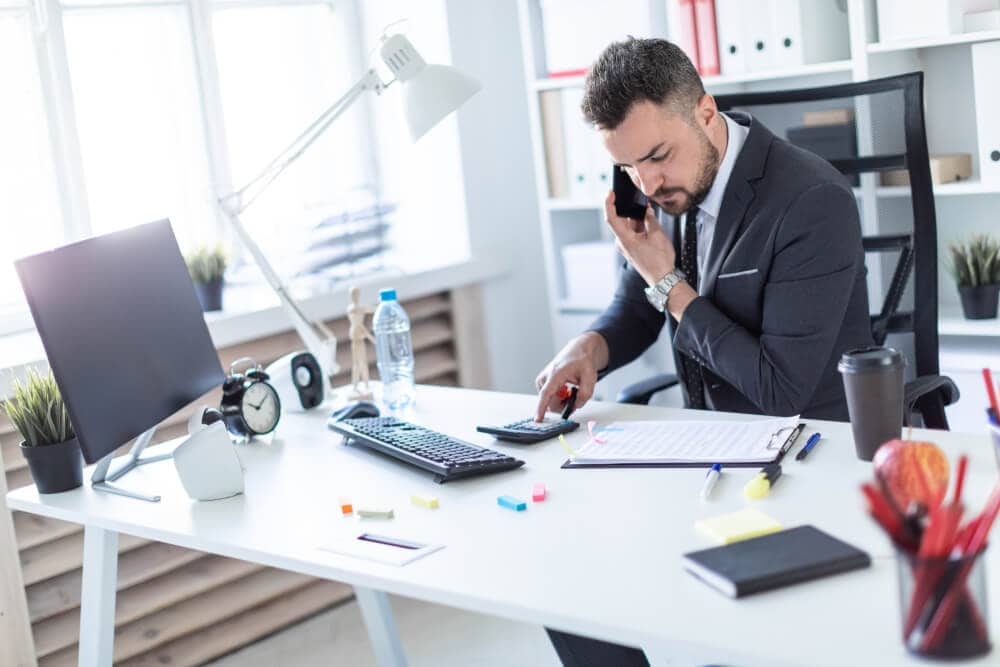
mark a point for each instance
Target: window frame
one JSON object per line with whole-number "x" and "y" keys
{"x": 48, "y": 37}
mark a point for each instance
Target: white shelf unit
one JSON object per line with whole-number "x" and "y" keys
{"x": 946, "y": 63}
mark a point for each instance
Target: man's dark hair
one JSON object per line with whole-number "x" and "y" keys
{"x": 635, "y": 70}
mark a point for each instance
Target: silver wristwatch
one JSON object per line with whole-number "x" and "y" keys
{"x": 657, "y": 295}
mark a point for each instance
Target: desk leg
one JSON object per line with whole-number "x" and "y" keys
{"x": 382, "y": 633}
{"x": 97, "y": 598}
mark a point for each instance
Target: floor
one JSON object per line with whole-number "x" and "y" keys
{"x": 431, "y": 635}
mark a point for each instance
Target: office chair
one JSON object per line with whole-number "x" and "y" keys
{"x": 899, "y": 143}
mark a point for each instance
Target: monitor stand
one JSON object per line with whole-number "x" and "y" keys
{"x": 102, "y": 478}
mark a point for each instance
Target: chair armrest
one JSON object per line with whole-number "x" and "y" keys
{"x": 639, "y": 393}
{"x": 928, "y": 395}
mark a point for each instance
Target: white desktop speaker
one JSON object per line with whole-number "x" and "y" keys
{"x": 208, "y": 465}
{"x": 298, "y": 380}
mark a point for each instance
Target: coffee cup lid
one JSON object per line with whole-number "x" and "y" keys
{"x": 870, "y": 359}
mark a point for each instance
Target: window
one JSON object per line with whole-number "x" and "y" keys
{"x": 30, "y": 219}
{"x": 119, "y": 112}
{"x": 138, "y": 117}
{"x": 272, "y": 89}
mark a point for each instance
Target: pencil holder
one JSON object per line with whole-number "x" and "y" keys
{"x": 943, "y": 605}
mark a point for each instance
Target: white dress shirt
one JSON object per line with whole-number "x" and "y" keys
{"x": 708, "y": 210}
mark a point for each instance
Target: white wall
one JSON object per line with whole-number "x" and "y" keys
{"x": 500, "y": 194}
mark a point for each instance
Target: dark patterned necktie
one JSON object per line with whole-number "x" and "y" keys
{"x": 689, "y": 265}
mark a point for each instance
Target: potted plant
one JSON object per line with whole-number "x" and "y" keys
{"x": 50, "y": 445}
{"x": 976, "y": 269}
{"x": 207, "y": 267}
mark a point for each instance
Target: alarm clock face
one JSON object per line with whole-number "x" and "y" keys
{"x": 261, "y": 408}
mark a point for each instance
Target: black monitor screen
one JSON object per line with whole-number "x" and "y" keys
{"x": 123, "y": 331}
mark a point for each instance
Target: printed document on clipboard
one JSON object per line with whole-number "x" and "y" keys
{"x": 668, "y": 444}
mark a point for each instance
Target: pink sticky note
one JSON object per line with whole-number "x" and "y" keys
{"x": 538, "y": 493}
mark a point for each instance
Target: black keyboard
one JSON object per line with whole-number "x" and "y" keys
{"x": 446, "y": 457}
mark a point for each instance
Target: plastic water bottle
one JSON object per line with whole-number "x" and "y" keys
{"x": 394, "y": 351}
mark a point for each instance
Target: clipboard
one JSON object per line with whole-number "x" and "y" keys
{"x": 790, "y": 440}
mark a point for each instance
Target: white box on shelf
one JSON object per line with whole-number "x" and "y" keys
{"x": 985, "y": 65}
{"x": 979, "y": 21}
{"x": 576, "y": 31}
{"x": 805, "y": 32}
{"x": 909, "y": 19}
{"x": 591, "y": 273}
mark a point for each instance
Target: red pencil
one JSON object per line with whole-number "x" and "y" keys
{"x": 988, "y": 379}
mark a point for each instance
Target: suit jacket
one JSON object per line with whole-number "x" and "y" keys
{"x": 784, "y": 288}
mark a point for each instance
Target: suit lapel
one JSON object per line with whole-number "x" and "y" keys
{"x": 749, "y": 167}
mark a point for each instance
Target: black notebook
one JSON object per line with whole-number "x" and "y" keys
{"x": 775, "y": 560}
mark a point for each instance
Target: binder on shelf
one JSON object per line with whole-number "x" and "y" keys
{"x": 578, "y": 139}
{"x": 600, "y": 170}
{"x": 681, "y": 28}
{"x": 729, "y": 31}
{"x": 985, "y": 65}
{"x": 805, "y": 32}
{"x": 706, "y": 38}
{"x": 757, "y": 32}
{"x": 553, "y": 140}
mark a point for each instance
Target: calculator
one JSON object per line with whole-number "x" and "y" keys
{"x": 528, "y": 430}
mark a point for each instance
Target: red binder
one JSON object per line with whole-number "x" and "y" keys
{"x": 687, "y": 34}
{"x": 706, "y": 37}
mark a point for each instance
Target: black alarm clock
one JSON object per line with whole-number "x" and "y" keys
{"x": 250, "y": 405}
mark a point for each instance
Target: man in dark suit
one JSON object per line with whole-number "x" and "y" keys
{"x": 760, "y": 267}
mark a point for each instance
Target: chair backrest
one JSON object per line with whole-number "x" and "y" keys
{"x": 888, "y": 126}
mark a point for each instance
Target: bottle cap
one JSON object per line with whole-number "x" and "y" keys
{"x": 387, "y": 295}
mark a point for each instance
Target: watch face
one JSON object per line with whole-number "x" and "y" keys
{"x": 261, "y": 408}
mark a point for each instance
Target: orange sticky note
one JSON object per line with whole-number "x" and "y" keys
{"x": 346, "y": 507}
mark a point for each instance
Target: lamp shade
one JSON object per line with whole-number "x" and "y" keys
{"x": 430, "y": 92}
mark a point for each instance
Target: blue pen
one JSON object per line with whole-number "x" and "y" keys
{"x": 810, "y": 443}
{"x": 711, "y": 477}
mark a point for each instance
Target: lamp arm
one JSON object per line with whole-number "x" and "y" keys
{"x": 240, "y": 200}
{"x": 318, "y": 338}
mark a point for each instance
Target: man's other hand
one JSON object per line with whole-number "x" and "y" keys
{"x": 577, "y": 364}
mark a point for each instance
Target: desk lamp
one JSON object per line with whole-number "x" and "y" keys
{"x": 430, "y": 92}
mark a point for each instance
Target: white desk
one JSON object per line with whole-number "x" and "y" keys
{"x": 600, "y": 557}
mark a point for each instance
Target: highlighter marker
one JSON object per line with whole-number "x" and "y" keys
{"x": 760, "y": 486}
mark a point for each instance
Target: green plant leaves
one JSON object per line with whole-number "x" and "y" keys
{"x": 976, "y": 262}
{"x": 206, "y": 264}
{"x": 38, "y": 412}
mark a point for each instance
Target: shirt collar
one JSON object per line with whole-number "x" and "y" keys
{"x": 737, "y": 136}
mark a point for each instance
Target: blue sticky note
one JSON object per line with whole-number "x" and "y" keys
{"x": 512, "y": 503}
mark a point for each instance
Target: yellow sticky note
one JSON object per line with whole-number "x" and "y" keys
{"x": 430, "y": 502}
{"x": 736, "y": 526}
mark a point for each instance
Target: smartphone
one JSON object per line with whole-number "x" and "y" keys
{"x": 630, "y": 202}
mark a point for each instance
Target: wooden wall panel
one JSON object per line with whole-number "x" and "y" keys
{"x": 177, "y": 606}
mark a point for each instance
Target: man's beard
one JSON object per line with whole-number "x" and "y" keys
{"x": 709, "y": 169}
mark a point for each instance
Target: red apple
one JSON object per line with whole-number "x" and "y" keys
{"x": 898, "y": 465}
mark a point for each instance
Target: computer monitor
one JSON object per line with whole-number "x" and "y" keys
{"x": 124, "y": 334}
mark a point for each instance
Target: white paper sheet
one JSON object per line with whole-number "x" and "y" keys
{"x": 757, "y": 441}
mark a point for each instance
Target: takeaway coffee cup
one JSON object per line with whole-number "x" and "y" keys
{"x": 873, "y": 381}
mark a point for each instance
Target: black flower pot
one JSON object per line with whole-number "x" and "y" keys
{"x": 55, "y": 468}
{"x": 980, "y": 302}
{"x": 210, "y": 295}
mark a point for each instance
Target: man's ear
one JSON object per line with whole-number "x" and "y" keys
{"x": 706, "y": 111}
